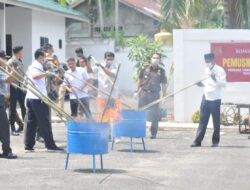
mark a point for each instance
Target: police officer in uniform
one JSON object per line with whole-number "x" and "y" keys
{"x": 152, "y": 80}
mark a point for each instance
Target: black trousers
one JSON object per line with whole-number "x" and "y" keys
{"x": 208, "y": 108}
{"x": 153, "y": 113}
{"x": 38, "y": 115}
{"x": 74, "y": 103}
{"x": 16, "y": 95}
{"x": 4, "y": 128}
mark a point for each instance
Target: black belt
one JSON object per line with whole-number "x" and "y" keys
{"x": 18, "y": 84}
{"x": 150, "y": 91}
{"x": 35, "y": 100}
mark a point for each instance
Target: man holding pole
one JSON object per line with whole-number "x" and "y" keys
{"x": 78, "y": 90}
{"x": 152, "y": 80}
{"x": 38, "y": 111}
{"x": 211, "y": 100}
{"x": 106, "y": 73}
{"x": 4, "y": 126}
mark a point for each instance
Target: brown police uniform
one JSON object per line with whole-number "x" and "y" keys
{"x": 151, "y": 80}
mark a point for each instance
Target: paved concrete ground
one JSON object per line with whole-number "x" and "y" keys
{"x": 168, "y": 163}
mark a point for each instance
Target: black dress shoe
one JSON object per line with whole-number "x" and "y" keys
{"x": 9, "y": 155}
{"x": 28, "y": 150}
{"x": 55, "y": 149}
{"x": 153, "y": 137}
{"x": 215, "y": 145}
{"x": 195, "y": 144}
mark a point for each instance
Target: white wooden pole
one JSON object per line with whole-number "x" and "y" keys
{"x": 116, "y": 21}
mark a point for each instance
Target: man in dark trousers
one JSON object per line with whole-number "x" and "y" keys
{"x": 78, "y": 89}
{"x": 38, "y": 111}
{"x": 211, "y": 100}
{"x": 4, "y": 124}
{"x": 152, "y": 80}
{"x": 16, "y": 94}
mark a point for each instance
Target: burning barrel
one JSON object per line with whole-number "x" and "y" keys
{"x": 132, "y": 125}
{"x": 87, "y": 138}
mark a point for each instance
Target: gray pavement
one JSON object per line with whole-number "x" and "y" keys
{"x": 168, "y": 163}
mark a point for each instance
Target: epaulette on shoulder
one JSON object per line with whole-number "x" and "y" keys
{"x": 146, "y": 66}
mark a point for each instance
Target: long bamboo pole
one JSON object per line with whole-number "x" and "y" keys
{"x": 36, "y": 92}
{"x": 79, "y": 101}
{"x": 110, "y": 94}
{"x": 170, "y": 95}
{"x": 110, "y": 80}
{"x": 93, "y": 87}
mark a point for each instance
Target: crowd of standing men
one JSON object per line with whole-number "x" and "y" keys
{"x": 53, "y": 79}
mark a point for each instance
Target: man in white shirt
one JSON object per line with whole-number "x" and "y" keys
{"x": 211, "y": 100}
{"x": 106, "y": 73}
{"x": 75, "y": 80}
{"x": 38, "y": 111}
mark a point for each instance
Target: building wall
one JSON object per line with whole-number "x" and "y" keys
{"x": 18, "y": 24}
{"x": 189, "y": 48}
{"x": 2, "y": 23}
{"x": 2, "y": 36}
{"x": 95, "y": 47}
{"x": 132, "y": 21}
{"x": 49, "y": 26}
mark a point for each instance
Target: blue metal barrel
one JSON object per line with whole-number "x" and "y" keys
{"x": 132, "y": 124}
{"x": 87, "y": 138}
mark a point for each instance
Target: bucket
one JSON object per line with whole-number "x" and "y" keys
{"x": 87, "y": 138}
{"x": 132, "y": 124}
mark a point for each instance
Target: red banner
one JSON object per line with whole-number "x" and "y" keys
{"x": 235, "y": 59}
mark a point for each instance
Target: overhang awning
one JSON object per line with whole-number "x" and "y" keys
{"x": 49, "y": 6}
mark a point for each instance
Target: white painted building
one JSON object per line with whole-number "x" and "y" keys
{"x": 189, "y": 49}
{"x": 33, "y": 23}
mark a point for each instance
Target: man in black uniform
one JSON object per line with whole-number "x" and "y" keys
{"x": 152, "y": 80}
{"x": 16, "y": 94}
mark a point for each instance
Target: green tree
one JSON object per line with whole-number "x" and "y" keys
{"x": 205, "y": 14}
{"x": 141, "y": 49}
{"x": 173, "y": 12}
{"x": 192, "y": 14}
{"x": 235, "y": 14}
